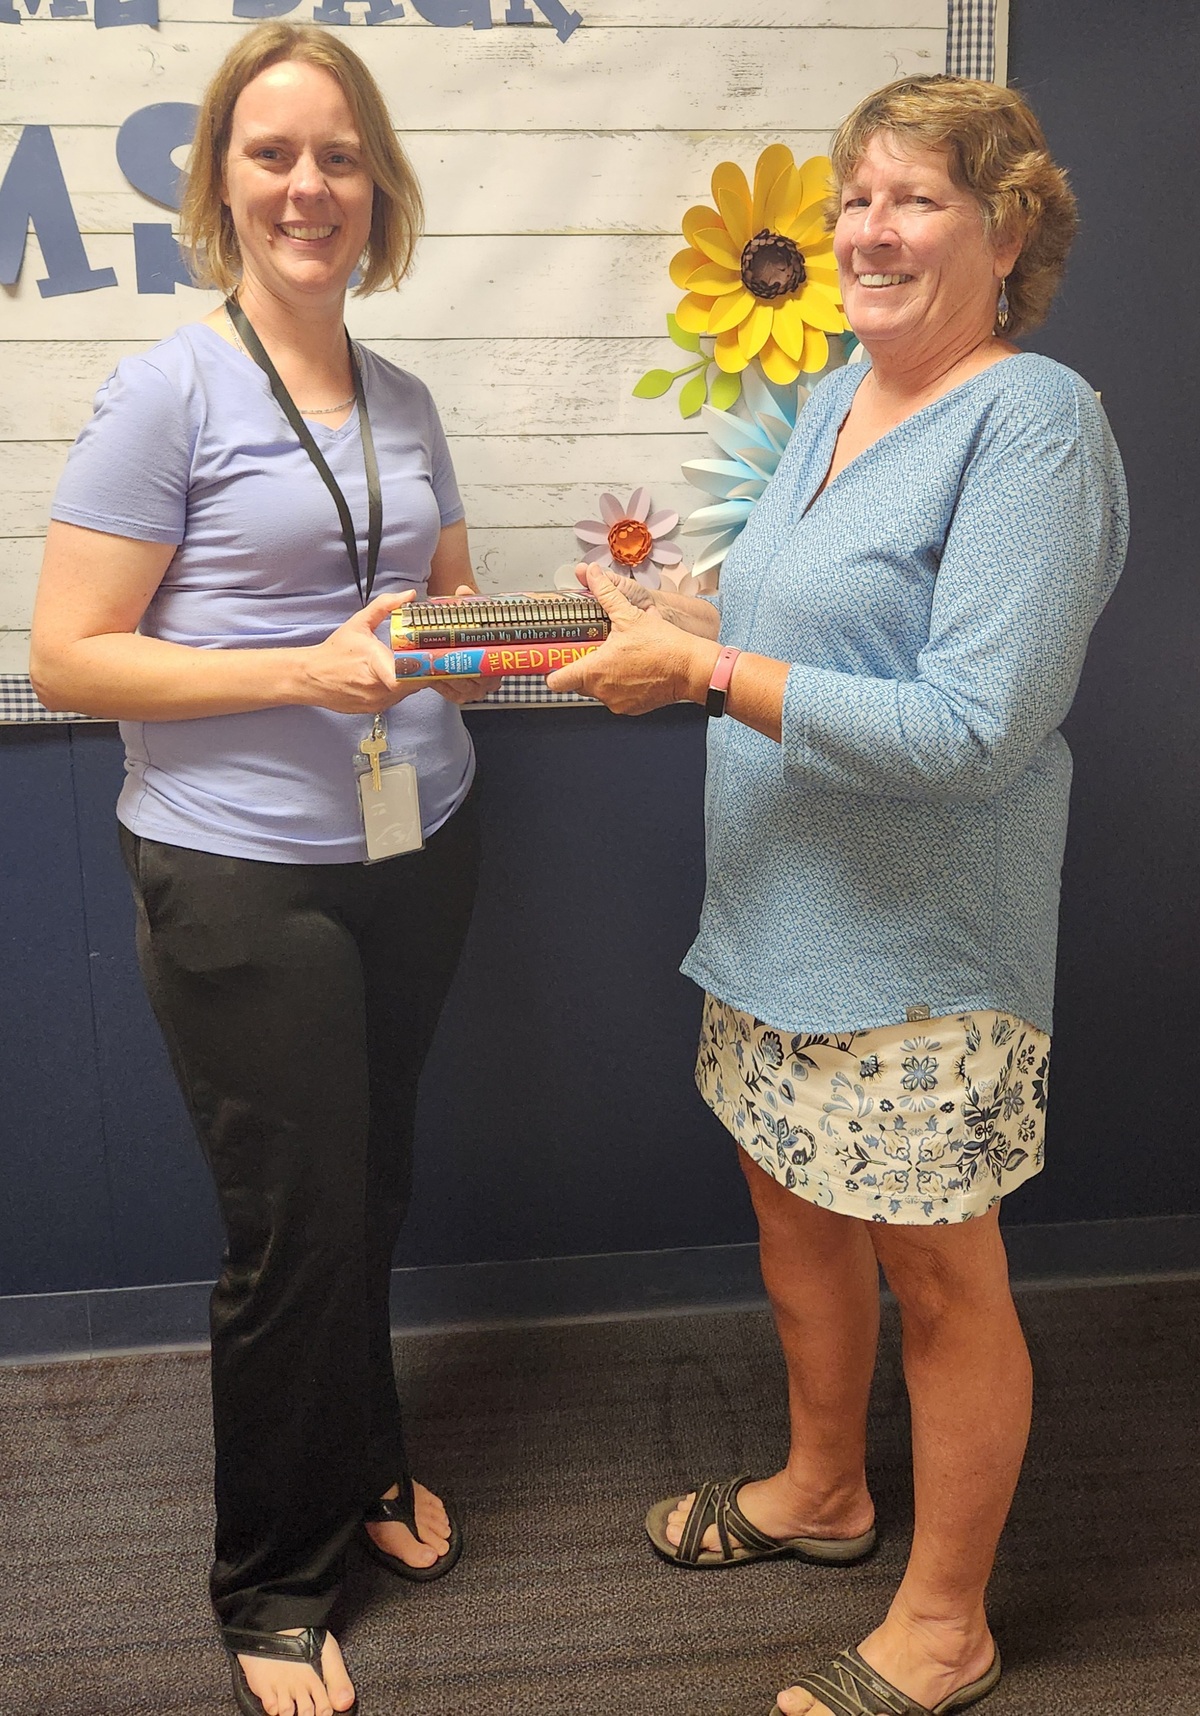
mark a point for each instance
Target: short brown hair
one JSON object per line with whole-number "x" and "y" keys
{"x": 206, "y": 226}
{"x": 996, "y": 150}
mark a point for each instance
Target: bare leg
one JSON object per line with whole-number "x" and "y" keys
{"x": 970, "y": 1389}
{"x": 823, "y": 1283}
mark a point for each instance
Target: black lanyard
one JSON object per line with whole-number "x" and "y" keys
{"x": 287, "y": 405}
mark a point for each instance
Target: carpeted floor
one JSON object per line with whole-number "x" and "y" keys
{"x": 552, "y": 1441}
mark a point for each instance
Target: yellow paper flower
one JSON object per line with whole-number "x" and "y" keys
{"x": 759, "y": 273}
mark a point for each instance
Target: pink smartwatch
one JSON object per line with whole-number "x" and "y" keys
{"x": 718, "y": 685}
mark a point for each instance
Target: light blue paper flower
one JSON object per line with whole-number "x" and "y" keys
{"x": 752, "y": 436}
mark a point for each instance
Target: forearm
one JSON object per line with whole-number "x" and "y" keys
{"x": 125, "y": 676}
{"x": 755, "y": 695}
{"x": 690, "y": 613}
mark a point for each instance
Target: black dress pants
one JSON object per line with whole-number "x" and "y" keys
{"x": 298, "y": 1003}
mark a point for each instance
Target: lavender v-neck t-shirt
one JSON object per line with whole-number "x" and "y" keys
{"x": 188, "y": 446}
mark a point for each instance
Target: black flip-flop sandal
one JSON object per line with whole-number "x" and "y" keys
{"x": 849, "y": 1686}
{"x": 304, "y": 1647}
{"x": 401, "y": 1510}
{"x": 716, "y": 1504}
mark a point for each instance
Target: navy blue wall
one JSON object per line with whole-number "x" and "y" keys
{"x": 558, "y": 1116}
{"x": 1115, "y": 87}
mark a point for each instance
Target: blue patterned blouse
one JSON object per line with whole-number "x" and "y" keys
{"x": 902, "y": 848}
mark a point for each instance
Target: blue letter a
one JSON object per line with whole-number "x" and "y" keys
{"x": 34, "y": 190}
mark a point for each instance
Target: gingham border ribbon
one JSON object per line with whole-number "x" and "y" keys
{"x": 971, "y": 38}
{"x": 19, "y": 705}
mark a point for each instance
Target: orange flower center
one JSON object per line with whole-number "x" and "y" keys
{"x": 629, "y": 542}
{"x": 772, "y": 266}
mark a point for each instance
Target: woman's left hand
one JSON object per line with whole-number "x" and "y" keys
{"x": 644, "y": 663}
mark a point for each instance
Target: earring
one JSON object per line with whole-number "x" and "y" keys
{"x": 1002, "y": 306}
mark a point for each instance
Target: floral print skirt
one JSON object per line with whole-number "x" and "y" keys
{"x": 918, "y": 1123}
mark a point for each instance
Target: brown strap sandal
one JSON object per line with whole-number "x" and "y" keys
{"x": 741, "y": 1541}
{"x": 304, "y": 1647}
{"x": 849, "y": 1686}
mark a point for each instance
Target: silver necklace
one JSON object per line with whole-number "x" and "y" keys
{"x": 304, "y": 410}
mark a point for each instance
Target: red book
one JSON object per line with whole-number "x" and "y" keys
{"x": 490, "y": 661}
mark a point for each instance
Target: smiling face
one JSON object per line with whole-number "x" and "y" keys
{"x": 919, "y": 273}
{"x": 296, "y": 184}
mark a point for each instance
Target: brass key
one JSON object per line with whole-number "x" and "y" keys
{"x": 373, "y": 747}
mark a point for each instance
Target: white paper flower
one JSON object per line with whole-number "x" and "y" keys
{"x": 629, "y": 539}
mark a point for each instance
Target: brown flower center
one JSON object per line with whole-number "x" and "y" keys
{"x": 629, "y": 542}
{"x": 772, "y": 265}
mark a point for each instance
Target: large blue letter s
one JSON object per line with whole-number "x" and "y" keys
{"x": 144, "y": 145}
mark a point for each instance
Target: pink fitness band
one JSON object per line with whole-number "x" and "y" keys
{"x": 718, "y": 685}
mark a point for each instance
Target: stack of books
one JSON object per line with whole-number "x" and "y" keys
{"x": 487, "y": 637}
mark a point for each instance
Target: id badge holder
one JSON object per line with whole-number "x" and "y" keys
{"x": 388, "y": 798}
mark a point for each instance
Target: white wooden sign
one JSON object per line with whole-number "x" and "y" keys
{"x": 558, "y": 146}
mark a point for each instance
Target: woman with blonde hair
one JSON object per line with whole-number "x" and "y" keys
{"x": 900, "y": 630}
{"x": 250, "y": 501}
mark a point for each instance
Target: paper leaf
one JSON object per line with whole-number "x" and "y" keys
{"x": 654, "y": 383}
{"x": 725, "y": 390}
{"x": 680, "y": 579}
{"x": 760, "y": 460}
{"x": 714, "y": 554}
{"x": 772, "y": 408}
{"x": 733, "y": 433}
{"x": 714, "y": 476}
{"x": 692, "y": 395}
{"x": 686, "y": 341}
{"x": 720, "y": 517}
{"x": 776, "y": 428}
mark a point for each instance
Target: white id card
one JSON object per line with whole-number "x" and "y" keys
{"x": 391, "y": 810}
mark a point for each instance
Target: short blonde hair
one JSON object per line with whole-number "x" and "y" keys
{"x": 996, "y": 150}
{"x": 206, "y": 227}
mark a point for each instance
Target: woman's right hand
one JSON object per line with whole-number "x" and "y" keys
{"x": 352, "y": 672}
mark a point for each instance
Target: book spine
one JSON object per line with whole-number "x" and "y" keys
{"x": 490, "y": 662}
{"x": 529, "y": 631}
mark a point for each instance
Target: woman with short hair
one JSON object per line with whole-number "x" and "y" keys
{"x": 899, "y": 634}
{"x": 250, "y": 501}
